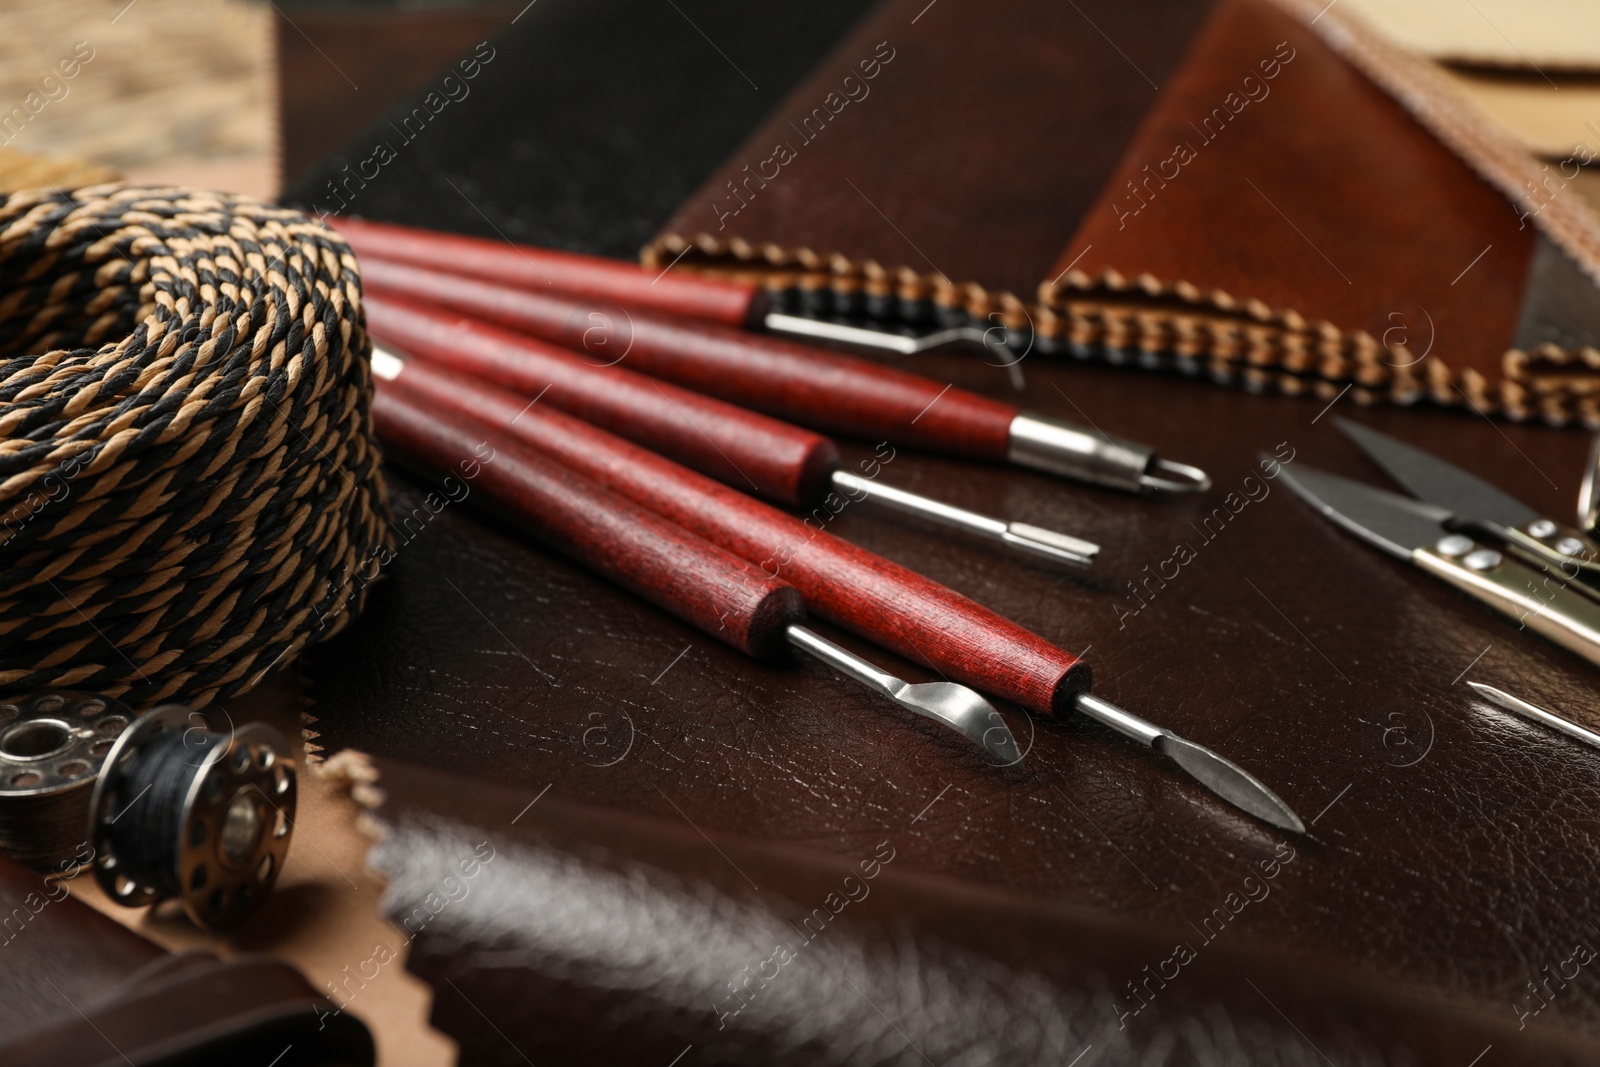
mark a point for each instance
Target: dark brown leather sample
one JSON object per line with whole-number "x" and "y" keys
{"x": 77, "y": 989}
{"x": 589, "y": 125}
{"x": 530, "y": 914}
{"x": 341, "y": 66}
{"x": 1451, "y": 860}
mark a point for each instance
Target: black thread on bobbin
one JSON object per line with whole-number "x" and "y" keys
{"x": 145, "y": 830}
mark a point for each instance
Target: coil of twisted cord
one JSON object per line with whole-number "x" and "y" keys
{"x": 188, "y": 474}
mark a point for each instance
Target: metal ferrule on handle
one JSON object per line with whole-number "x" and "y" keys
{"x": 1057, "y": 447}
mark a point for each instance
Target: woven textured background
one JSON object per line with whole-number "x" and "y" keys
{"x": 188, "y": 478}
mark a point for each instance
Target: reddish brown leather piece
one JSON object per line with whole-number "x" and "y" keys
{"x": 657, "y": 559}
{"x": 1323, "y": 197}
{"x": 50, "y": 938}
{"x": 78, "y": 989}
{"x": 198, "y": 1011}
{"x": 976, "y": 150}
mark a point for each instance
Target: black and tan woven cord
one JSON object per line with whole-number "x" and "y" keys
{"x": 188, "y": 474}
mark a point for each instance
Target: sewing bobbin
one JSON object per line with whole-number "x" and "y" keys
{"x": 182, "y": 811}
{"x": 52, "y": 746}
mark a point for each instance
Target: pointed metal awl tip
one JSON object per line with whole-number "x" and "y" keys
{"x": 1229, "y": 781}
{"x": 1223, "y": 777}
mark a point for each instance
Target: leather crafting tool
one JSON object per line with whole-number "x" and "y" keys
{"x": 1424, "y": 535}
{"x": 732, "y": 303}
{"x": 780, "y": 462}
{"x": 815, "y": 387}
{"x": 873, "y": 597}
{"x": 702, "y": 584}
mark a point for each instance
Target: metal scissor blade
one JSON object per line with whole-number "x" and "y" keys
{"x": 1394, "y": 523}
{"x": 1438, "y": 481}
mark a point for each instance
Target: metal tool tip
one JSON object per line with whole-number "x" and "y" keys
{"x": 1230, "y": 782}
{"x": 1179, "y": 477}
{"x": 964, "y": 710}
{"x": 1048, "y": 544}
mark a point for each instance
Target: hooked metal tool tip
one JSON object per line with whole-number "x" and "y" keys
{"x": 963, "y": 710}
{"x": 1222, "y": 776}
{"x": 991, "y": 338}
{"x": 1535, "y": 713}
{"x": 1021, "y": 536}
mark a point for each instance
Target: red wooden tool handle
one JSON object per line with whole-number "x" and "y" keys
{"x": 638, "y": 549}
{"x": 849, "y": 586}
{"x": 814, "y": 387}
{"x": 587, "y": 277}
{"x": 762, "y": 455}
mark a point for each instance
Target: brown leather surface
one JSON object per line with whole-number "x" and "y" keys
{"x": 1312, "y": 191}
{"x": 1451, "y": 859}
{"x": 1010, "y": 113}
{"x": 555, "y": 933}
{"x": 77, "y": 988}
{"x": 1452, "y": 847}
{"x": 50, "y": 939}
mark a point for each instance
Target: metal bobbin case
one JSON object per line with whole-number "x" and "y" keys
{"x": 218, "y": 814}
{"x": 52, "y": 745}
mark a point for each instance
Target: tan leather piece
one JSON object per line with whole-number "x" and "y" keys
{"x": 1533, "y": 35}
{"x": 1548, "y": 116}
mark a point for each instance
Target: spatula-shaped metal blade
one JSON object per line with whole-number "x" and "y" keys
{"x": 965, "y": 710}
{"x": 962, "y": 709}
